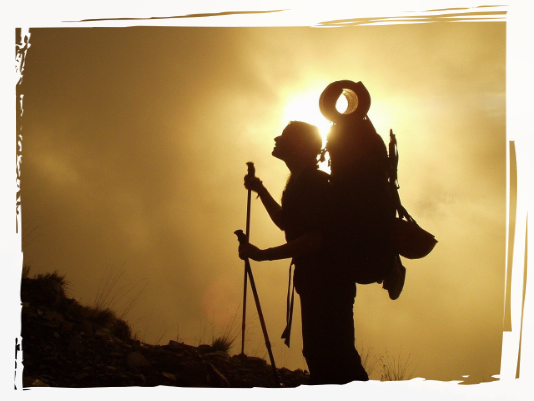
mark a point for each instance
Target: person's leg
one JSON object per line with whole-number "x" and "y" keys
{"x": 328, "y": 336}
{"x": 346, "y": 361}
{"x": 314, "y": 337}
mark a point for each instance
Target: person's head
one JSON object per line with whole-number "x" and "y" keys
{"x": 300, "y": 143}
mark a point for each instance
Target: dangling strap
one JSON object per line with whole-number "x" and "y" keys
{"x": 393, "y": 178}
{"x": 289, "y": 310}
{"x": 393, "y": 159}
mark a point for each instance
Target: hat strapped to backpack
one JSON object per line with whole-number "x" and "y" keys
{"x": 358, "y": 99}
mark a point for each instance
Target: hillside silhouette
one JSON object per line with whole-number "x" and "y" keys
{"x": 66, "y": 344}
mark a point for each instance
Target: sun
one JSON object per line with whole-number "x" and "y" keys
{"x": 305, "y": 107}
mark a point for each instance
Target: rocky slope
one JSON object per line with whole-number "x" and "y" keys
{"x": 65, "y": 344}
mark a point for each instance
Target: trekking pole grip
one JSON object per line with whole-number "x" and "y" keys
{"x": 251, "y": 169}
{"x": 241, "y": 237}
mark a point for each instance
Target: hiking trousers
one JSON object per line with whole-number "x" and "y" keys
{"x": 328, "y": 335}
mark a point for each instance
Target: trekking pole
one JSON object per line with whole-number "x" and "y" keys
{"x": 251, "y": 172}
{"x": 242, "y": 238}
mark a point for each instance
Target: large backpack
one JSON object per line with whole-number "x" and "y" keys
{"x": 370, "y": 227}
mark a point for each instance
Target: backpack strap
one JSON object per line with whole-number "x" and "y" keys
{"x": 289, "y": 308}
{"x": 393, "y": 158}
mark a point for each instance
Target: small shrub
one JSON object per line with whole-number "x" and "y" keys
{"x": 48, "y": 287}
{"x": 103, "y": 317}
{"x": 121, "y": 330}
{"x": 108, "y": 320}
{"x": 55, "y": 276}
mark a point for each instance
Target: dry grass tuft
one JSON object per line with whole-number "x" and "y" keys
{"x": 226, "y": 339}
{"x": 395, "y": 369}
{"x": 223, "y": 343}
{"x": 369, "y": 362}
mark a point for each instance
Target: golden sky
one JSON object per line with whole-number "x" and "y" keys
{"x": 134, "y": 150}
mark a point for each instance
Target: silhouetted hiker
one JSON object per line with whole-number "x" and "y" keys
{"x": 326, "y": 295}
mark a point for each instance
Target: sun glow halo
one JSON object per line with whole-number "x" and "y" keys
{"x": 306, "y": 108}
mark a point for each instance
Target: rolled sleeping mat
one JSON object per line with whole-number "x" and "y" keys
{"x": 358, "y": 98}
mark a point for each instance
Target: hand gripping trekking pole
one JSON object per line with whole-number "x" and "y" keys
{"x": 242, "y": 238}
{"x": 251, "y": 172}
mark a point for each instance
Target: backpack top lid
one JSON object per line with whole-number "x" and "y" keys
{"x": 358, "y": 99}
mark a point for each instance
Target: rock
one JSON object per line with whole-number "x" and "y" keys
{"x": 194, "y": 374}
{"x": 169, "y": 376}
{"x": 76, "y": 343}
{"x": 87, "y": 328}
{"x": 204, "y": 348}
{"x": 38, "y": 383}
{"x": 174, "y": 344}
{"x": 256, "y": 360}
{"x": 104, "y": 333}
{"x": 110, "y": 369}
{"x": 33, "y": 382}
{"x": 66, "y": 328}
{"x": 136, "y": 360}
{"x": 53, "y": 316}
{"x": 217, "y": 378}
{"x": 81, "y": 376}
{"x": 217, "y": 355}
{"x": 139, "y": 379}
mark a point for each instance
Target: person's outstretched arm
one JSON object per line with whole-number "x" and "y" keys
{"x": 272, "y": 206}
{"x": 303, "y": 245}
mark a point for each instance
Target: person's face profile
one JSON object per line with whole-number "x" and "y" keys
{"x": 285, "y": 144}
